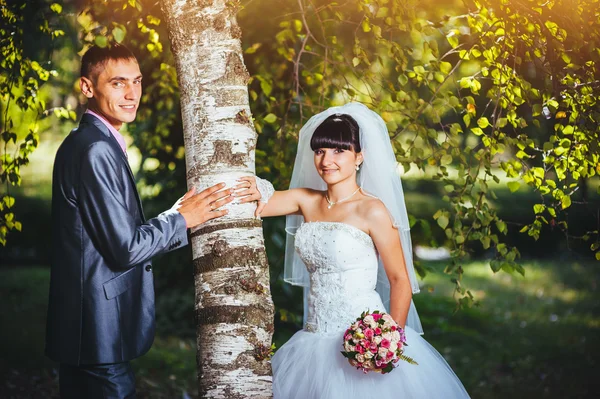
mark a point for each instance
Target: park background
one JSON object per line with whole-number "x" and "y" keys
{"x": 531, "y": 328}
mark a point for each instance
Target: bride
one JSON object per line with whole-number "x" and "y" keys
{"x": 349, "y": 246}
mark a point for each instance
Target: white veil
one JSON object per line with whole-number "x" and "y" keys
{"x": 378, "y": 176}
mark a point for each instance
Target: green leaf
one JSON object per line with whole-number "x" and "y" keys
{"x": 443, "y": 221}
{"x": 483, "y": 122}
{"x": 270, "y": 118}
{"x": 513, "y": 186}
{"x": 266, "y": 87}
{"x": 485, "y": 241}
{"x": 355, "y": 61}
{"x": 8, "y": 200}
{"x": 445, "y": 67}
{"x": 467, "y": 119}
{"x": 101, "y": 41}
{"x": 446, "y": 159}
{"x": 565, "y": 202}
{"x": 501, "y": 225}
{"x": 495, "y": 265}
{"x": 452, "y": 38}
{"x": 57, "y": 8}
{"x": 118, "y": 34}
{"x": 597, "y": 255}
{"x": 402, "y": 79}
{"x": 539, "y": 208}
{"x": 297, "y": 25}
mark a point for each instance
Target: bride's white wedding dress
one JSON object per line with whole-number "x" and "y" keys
{"x": 342, "y": 262}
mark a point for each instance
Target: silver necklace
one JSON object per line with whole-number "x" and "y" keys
{"x": 331, "y": 203}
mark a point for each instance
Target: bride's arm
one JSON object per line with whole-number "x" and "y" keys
{"x": 280, "y": 203}
{"x": 387, "y": 241}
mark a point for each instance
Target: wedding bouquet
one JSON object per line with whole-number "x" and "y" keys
{"x": 375, "y": 343}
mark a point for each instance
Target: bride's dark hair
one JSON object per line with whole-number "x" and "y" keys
{"x": 337, "y": 131}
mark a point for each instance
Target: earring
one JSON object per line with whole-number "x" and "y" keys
{"x": 357, "y": 167}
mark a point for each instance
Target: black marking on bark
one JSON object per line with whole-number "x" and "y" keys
{"x": 219, "y": 23}
{"x": 240, "y": 224}
{"x": 263, "y": 352}
{"x": 242, "y": 117}
{"x": 235, "y": 71}
{"x": 224, "y": 154}
{"x": 236, "y": 31}
{"x": 228, "y": 257}
{"x": 250, "y": 315}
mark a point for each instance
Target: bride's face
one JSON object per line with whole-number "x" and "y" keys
{"x": 335, "y": 164}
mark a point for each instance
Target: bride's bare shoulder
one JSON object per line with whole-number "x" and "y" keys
{"x": 305, "y": 196}
{"x": 307, "y": 192}
{"x": 374, "y": 211}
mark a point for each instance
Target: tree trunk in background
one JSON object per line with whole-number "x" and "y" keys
{"x": 234, "y": 309}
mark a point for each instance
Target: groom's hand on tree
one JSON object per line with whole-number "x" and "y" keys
{"x": 203, "y": 206}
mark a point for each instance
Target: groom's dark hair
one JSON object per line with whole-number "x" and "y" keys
{"x": 337, "y": 131}
{"x": 95, "y": 59}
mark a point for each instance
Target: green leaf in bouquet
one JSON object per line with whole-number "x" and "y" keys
{"x": 409, "y": 360}
{"x": 387, "y": 368}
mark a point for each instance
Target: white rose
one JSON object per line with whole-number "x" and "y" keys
{"x": 387, "y": 335}
{"x": 369, "y": 320}
{"x": 360, "y": 358}
{"x": 368, "y": 355}
{"x": 382, "y": 352}
{"x": 348, "y": 347}
{"x": 369, "y": 364}
{"x": 393, "y": 346}
{"x": 377, "y": 339}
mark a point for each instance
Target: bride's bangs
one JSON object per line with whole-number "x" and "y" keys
{"x": 337, "y": 131}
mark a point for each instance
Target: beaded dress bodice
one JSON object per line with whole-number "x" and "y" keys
{"x": 342, "y": 262}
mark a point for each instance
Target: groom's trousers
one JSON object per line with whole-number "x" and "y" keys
{"x": 97, "y": 381}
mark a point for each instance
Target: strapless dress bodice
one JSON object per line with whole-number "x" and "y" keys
{"x": 342, "y": 263}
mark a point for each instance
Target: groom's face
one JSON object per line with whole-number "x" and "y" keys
{"x": 115, "y": 91}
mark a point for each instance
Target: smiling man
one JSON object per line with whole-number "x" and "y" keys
{"x": 101, "y": 304}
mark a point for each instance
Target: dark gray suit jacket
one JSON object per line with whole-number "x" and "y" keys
{"x": 101, "y": 305}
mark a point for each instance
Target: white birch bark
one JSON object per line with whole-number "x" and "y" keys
{"x": 233, "y": 302}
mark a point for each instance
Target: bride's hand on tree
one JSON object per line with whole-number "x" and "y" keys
{"x": 247, "y": 191}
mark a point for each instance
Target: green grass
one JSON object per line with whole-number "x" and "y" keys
{"x": 166, "y": 371}
{"x": 530, "y": 337}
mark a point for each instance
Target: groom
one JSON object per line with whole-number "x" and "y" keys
{"x": 101, "y": 305}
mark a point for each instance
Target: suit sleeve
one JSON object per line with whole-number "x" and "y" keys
{"x": 109, "y": 222}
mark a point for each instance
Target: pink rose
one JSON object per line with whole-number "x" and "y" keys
{"x": 376, "y": 316}
{"x": 368, "y": 333}
{"x": 378, "y": 331}
{"x": 360, "y": 349}
{"x": 393, "y": 328}
{"x": 390, "y": 355}
{"x": 379, "y": 363}
{"x": 385, "y": 343}
{"x": 348, "y": 337}
{"x": 373, "y": 347}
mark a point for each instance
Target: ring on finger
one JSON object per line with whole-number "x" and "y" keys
{"x": 212, "y": 206}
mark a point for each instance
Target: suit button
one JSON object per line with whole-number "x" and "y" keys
{"x": 148, "y": 268}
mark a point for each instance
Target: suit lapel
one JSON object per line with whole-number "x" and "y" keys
{"x": 87, "y": 118}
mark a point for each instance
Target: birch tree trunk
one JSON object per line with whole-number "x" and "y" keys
{"x": 234, "y": 309}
